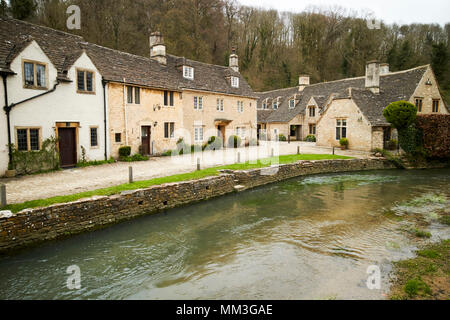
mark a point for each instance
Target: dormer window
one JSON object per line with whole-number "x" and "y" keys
{"x": 275, "y": 104}
{"x": 235, "y": 82}
{"x": 188, "y": 72}
{"x": 291, "y": 104}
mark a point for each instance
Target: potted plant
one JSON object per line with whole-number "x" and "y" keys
{"x": 11, "y": 172}
{"x": 344, "y": 143}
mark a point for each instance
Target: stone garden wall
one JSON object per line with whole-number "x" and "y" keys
{"x": 33, "y": 226}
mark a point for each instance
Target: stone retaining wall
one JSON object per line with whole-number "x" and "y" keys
{"x": 33, "y": 226}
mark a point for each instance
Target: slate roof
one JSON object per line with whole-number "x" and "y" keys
{"x": 63, "y": 49}
{"x": 393, "y": 87}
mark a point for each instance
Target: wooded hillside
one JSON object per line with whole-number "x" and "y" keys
{"x": 274, "y": 47}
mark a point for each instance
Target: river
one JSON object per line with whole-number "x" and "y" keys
{"x": 306, "y": 238}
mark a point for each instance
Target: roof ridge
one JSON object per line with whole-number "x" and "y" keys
{"x": 404, "y": 71}
{"x": 41, "y": 26}
{"x": 201, "y": 62}
{"x": 264, "y": 92}
{"x": 115, "y": 50}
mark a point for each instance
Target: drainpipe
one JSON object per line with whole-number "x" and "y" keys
{"x": 7, "y": 110}
{"x": 104, "y": 82}
{"x": 125, "y": 111}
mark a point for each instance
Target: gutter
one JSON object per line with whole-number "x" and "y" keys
{"x": 104, "y": 82}
{"x": 8, "y": 109}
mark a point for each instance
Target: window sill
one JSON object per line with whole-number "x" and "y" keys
{"x": 95, "y": 148}
{"x": 86, "y": 92}
{"x": 35, "y": 87}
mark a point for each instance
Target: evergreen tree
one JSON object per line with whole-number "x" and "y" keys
{"x": 22, "y": 9}
{"x": 439, "y": 61}
{"x": 3, "y": 8}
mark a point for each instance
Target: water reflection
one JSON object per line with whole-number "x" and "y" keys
{"x": 308, "y": 238}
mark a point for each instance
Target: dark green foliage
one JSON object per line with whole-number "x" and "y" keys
{"x": 311, "y": 138}
{"x": 417, "y": 287}
{"x": 435, "y": 133}
{"x": 124, "y": 151}
{"x": 22, "y": 9}
{"x": 135, "y": 158}
{"x": 234, "y": 142}
{"x": 400, "y": 114}
{"x": 3, "y": 8}
{"x": 214, "y": 143}
{"x": 282, "y": 138}
{"x": 392, "y": 145}
{"x": 94, "y": 163}
{"x": 439, "y": 61}
{"x": 410, "y": 139}
{"x": 27, "y": 162}
{"x": 344, "y": 142}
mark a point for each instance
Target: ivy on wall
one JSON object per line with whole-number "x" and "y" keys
{"x": 28, "y": 162}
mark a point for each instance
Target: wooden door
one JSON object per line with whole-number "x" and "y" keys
{"x": 145, "y": 139}
{"x": 299, "y": 133}
{"x": 67, "y": 147}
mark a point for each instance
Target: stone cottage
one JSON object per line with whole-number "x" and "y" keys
{"x": 95, "y": 99}
{"x": 349, "y": 108}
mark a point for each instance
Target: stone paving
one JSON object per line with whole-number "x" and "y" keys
{"x": 77, "y": 180}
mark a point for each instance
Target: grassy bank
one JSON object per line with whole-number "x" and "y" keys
{"x": 426, "y": 277}
{"x": 174, "y": 178}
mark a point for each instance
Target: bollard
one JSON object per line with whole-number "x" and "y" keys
{"x": 130, "y": 174}
{"x": 298, "y": 150}
{"x": 273, "y": 153}
{"x": 333, "y": 151}
{"x": 289, "y": 139}
{"x": 198, "y": 164}
{"x": 239, "y": 157}
{"x": 2, "y": 195}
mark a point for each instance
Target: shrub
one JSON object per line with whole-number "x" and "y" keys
{"x": 417, "y": 286}
{"x": 253, "y": 142}
{"x": 392, "y": 145}
{"x": 311, "y": 138}
{"x": 262, "y": 137}
{"x": 344, "y": 142}
{"x": 27, "y": 162}
{"x": 400, "y": 114}
{"x": 196, "y": 148}
{"x": 410, "y": 140}
{"x": 124, "y": 151}
{"x": 435, "y": 133}
{"x": 234, "y": 142}
{"x": 282, "y": 138}
{"x": 214, "y": 143}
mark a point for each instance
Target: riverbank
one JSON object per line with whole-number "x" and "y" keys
{"x": 33, "y": 226}
{"x": 426, "y": 277}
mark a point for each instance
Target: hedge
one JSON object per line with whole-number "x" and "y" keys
{"x": 436, "y": 134}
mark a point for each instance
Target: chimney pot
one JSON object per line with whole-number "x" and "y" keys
{"x": 384, "y": 68}
{"x": 303, "y": 81}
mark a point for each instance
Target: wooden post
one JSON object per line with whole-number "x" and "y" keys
{"x": 198, "y": 164}
{"x": 289, "y": 138}
{"x": 2, "y": 195}
{"x": 130, "y": 174}
{"x": 333, "y": 151}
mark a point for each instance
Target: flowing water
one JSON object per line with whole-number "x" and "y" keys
{"x": 306, "y": 238}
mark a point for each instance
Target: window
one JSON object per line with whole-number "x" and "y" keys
{"x": 133, "y": 93}
{"x": 291, "y": 104}
{"x": 118, "y": 137}
{"x": 85, "y": 81}
{"x": 220, "y": 105}
{"x": 312, "y": 129}
{"x": 240, "y": 132}
{"x": 198, "y": 103}
{"x": 188, "y": 72}
{"x": 198, "y": 134}
{"x": 235, "y": 82}
{"x": 28, "y": 139}
{"x": 264, "y": 106}
{"x": 169, "y": 130}
{"x": 34, "y": 75}
{"x": 168, "y": 98}
{"x": 94, "y": 137}
{"x": 435, "y": 106}
{"x": 341, "y": 129}
{"x": 419, "y": 104}
{"x": 240, "y": 106}
{"x": 312, "y": 112}
{"x": 275, "y": 105}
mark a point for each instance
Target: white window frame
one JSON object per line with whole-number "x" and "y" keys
{"x": 275, "y": 104}
{"x": 220, "y": 105}
{"x": 235, "y": 82}
{"x": 292, "y": 104}
{"x": 198, "y": 134}
{"x": 188, "y": 72}
{"x": 198, "y": 103}
{"x": 240, "y": 106}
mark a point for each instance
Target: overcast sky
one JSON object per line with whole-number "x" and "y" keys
{"x": 390, "y": 11}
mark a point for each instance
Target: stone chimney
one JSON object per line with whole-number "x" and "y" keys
{"x": 303, "y": 82}
{"x": 373, "y": 76}
{"x": 384, "y": 68}
{"x": 158, "y": 48}
{"x": 234, "y": 60}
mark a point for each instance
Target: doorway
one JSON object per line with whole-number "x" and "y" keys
{"x": 146, "y": 132}
{"x": 67, "y": 147}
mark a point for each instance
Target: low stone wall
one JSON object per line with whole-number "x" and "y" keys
{"x": 33, "y": 226}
